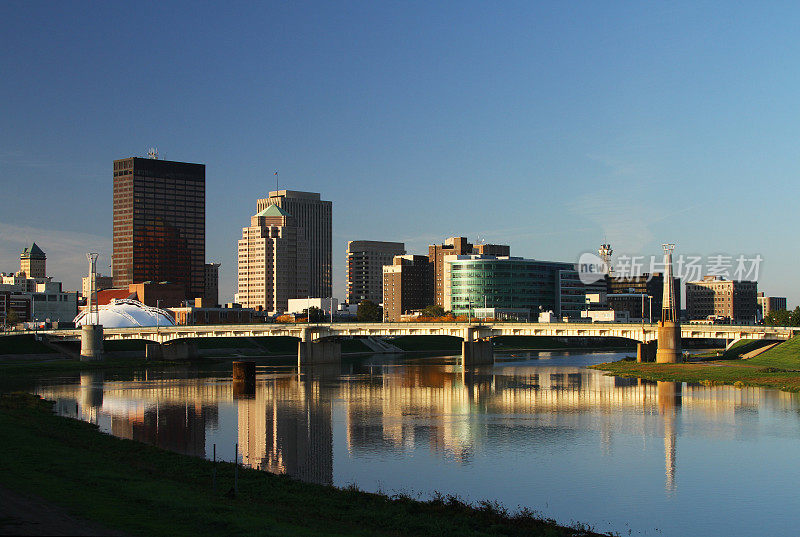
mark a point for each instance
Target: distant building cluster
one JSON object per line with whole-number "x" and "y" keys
{"x": 284, "y": 267}
{"x": 29, "y": 295}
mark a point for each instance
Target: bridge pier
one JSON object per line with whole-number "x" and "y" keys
{"x": 474, "y": 351}
{"x": 174, "y": 351}
{"x": 477, "y": 353}
{"x": 91, "y": 342}
{"x": 244, "y": 379}
{"x": 310, "y": 352}
{"x": 646, "y": 352}
{"x": 669, "y": 343}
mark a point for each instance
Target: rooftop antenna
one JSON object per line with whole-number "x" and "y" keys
{"x": 605, "y": 252}
{"x": 276, "y": 180}
{"x": 152, "y": 153}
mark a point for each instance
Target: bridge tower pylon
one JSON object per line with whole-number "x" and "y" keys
{"x": 669, "y": 328}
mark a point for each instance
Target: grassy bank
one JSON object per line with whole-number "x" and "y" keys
{"x": 778, "y": 368}
{"x": 144, "y": 490}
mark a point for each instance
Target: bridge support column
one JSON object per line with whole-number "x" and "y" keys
{"x": 91, "y": 342}
{"x": 175, "y": 351}
{"x": 646, "y": 352}
{"x": 318, "y": 352}
{"x": 244, "y": 379}
{"x": 669, "y": 343}
{"x": 477, "y": 353}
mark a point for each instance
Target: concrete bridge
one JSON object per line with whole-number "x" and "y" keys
{"x": 317, "y": 344}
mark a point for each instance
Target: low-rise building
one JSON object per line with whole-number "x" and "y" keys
{"x": 14, "y": 308}
{"x": 606, "y": 316}
{"x": 101, "y": 283}
{"x": 300, "y": 305}
{"x": 727, "y": 299}
{"x": 47, "y": 300}
{"x": 502, "y": 314}
{"x": 198, "y": 314}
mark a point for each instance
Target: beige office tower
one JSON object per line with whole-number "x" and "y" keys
{"x": 32, "y": 261}
{"x": 273, "y": 261}
{"x": 313, "y": 215}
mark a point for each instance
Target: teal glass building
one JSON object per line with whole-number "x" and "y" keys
{"x": 476, "y": 281}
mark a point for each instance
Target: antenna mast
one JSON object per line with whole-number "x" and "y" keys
{"x": 605, "y": 252}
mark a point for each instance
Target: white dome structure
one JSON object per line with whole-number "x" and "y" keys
{"x": 127, "y": 313}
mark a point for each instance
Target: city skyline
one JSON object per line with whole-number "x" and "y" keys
{"x": 549, "y": 128}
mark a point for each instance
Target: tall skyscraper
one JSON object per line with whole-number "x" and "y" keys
{"x": 365, "y": 261}
{"x": 159, "y": 223}
{"x": 313, "y": 215}
{"x": 273, "y": 261}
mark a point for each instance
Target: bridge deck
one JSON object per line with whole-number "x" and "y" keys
{"x": 309, "y": 332}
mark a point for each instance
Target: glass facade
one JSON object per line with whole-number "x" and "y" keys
{"x": 159, "y": 223}
{"x": 507, "y": 283}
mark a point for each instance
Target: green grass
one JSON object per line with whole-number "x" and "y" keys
{"x": 736, "y": 350}
{"x": 777, "y": 368}
{"x": 144, "y": 490}
{"x": 786, "y": 355}
{"x": 23, "y": 344}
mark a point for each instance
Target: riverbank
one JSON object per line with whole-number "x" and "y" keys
{"x": 778, "y": 368}
{"x": 139, "y": 489}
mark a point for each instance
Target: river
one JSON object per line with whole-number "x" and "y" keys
{"x": 536, "y": 430}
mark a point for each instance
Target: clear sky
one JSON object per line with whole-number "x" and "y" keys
{"x": 549, "y": 126}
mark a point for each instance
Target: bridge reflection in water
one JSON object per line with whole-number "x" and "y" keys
{"x": 287, "y": 425}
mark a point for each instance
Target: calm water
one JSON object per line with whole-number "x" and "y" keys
{"x": 541, "y": 431}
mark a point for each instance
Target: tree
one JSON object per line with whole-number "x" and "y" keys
{"x": 12, "y": 317}
{"x": 794, "y": 317}
{"x": 433, "y": 310}
{"x": 368, "y": 311}
{"x": 777, "y": 318}
{"x": 314, "y": 314}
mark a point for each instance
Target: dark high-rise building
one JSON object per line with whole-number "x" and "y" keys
{"x": 159, "y": 223}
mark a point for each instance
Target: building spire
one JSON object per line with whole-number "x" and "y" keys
{"x": 668, "y": 310}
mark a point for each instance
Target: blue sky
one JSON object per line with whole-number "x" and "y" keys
{"x": 550, "y": 126}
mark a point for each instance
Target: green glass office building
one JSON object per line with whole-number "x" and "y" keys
{"x": 478, "y": 281}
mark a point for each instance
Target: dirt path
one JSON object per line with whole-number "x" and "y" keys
{"x": 26, "y": 515}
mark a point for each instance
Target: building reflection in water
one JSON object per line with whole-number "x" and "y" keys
{"x": 286, "y": 429}
{"x": 285, "y": 425}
